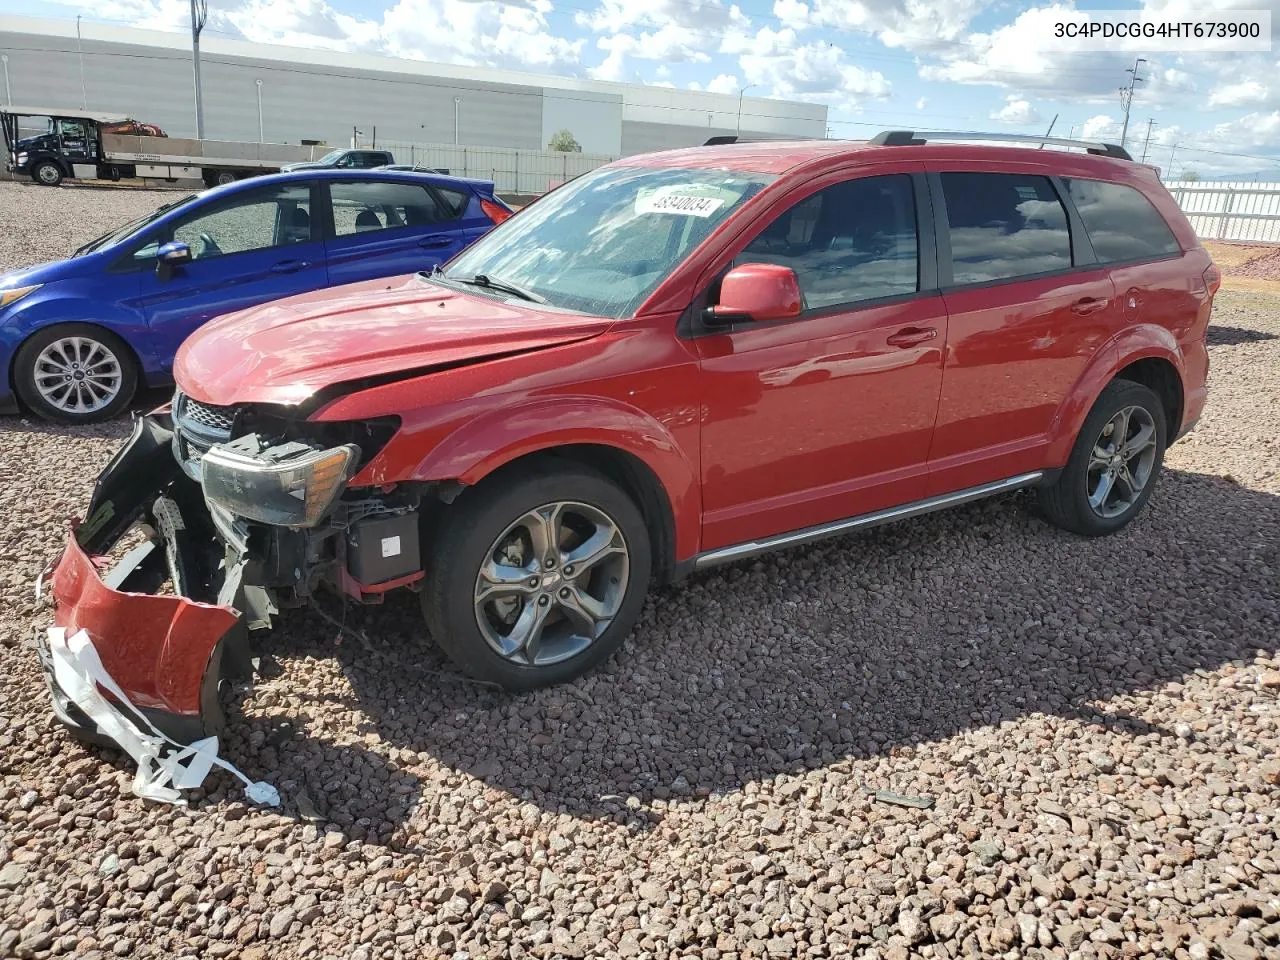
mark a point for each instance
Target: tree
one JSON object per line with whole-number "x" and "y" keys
{"x": 1190, "y": 176}
{"x": 564, "y": 142}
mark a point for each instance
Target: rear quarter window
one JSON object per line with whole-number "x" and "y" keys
{"x": 455, "y": 201}
{"x": 1121, "y": 223}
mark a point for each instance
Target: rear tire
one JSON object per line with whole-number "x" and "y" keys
{"x": 47, "y": 173}
{"x": 1106, "y": 481}
{"x": 99, "y": 355}
{"x": 572, "y": 603}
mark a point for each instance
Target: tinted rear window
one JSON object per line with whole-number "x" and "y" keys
{"x": 1004, "y": 225}
{"x": 1121, "y": 223}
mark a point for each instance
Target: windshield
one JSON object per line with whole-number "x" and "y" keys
{"x": 332, "y": 156}
{"x": 132, "y": 227}
{"x": 602, "y": 243}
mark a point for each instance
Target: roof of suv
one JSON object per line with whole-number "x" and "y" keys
{"x": 779, "y": 156}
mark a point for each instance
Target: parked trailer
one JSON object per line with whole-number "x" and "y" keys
{"x": 74, "y": 145}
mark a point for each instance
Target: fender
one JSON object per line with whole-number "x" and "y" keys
{"x": 1134, "y": 343}
{"x": 42, "y": 155}
{"x": 53, "y": 306}
{"x": 482, "y": 445}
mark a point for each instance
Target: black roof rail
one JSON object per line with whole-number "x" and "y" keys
{"x": 910, "y": 138}
{"x": 720, "y": 141}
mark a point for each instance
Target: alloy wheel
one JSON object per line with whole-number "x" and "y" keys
{"x": 78, "y": 375}
{"x": 1121, "y": 462}
{"x": 552, "y": 583}
{"x": 48, "y": 174}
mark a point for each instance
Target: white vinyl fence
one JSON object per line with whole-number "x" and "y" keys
{"x": 1230, "y": 210}
{"x": 512, "y": 171}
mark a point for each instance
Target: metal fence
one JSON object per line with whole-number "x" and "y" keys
{"x": 1231, "y": 210}
{"x": 512, "y": 171}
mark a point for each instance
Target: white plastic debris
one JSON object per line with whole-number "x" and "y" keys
{"x": 165, "y": 766}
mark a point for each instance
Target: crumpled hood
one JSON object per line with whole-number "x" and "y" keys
{"x": 284, "y": 352}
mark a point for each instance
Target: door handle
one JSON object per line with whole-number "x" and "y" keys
{"x": 1089, "y": 305}
{"x": 911, "y": 336}
{"x": 289, "y": 266}
{"x": 438, "y": 240}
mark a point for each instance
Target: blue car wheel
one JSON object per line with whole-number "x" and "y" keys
{"x": 75, "y": 373}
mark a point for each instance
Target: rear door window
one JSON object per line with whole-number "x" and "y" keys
{"x": 1121, "y": 223}
{"x": 362, "y": 207}
{"x": 1004, "y": 225}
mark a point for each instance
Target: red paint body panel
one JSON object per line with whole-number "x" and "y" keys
{"x": 811, "y": 421}
{"x": 756, "y": 430}
{"x": 285, "y": 351}
{"x": 157, "y": 648}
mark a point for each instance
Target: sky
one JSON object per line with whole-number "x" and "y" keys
{"x": 877, "y": 64}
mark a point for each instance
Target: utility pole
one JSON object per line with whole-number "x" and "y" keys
{"x": 8, "y": 95}
{"x": 199, "y": 16}
{"x": 1171, "y": 152}
{"x": 1147, "y": 141}
{"x": 457, "y": 101}
{"x": 84, "y": 97}
{"x": 1126, "y": 95}
{"x": 740, "y": 93}
{"x": 259, "y": 83}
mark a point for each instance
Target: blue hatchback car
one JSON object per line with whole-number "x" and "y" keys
{"x": 78, "y": 336}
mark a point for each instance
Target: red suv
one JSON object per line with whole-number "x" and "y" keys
{"x": 675, "y": 361}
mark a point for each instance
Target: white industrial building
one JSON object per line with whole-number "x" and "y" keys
{"x": 325, "y": 96}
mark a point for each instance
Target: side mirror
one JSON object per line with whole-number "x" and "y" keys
{"x": 756, "y": 291}
{"x": 170, "y": 256}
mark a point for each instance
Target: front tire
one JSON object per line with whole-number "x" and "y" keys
{"x": 75, "y": 373}
{"x": 47, "y": 173}
{"x": 536, "y": 578}
{"x": 1114, "y": 464}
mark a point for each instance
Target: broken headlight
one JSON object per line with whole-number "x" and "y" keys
{"x": 290, "y": 484}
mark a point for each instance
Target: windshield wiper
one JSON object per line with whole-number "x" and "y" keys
{"x": 502, "y": 286}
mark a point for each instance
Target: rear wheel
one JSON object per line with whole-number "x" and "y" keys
{"x": 535, "y": 580}
{"x": 47, "y": 173}
{"x": 75, "y": 373}
{"x": 1114, "y": 464}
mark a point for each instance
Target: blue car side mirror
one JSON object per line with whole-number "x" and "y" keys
{"x": 174, "y": 253}
{"x": 169, "y": 257}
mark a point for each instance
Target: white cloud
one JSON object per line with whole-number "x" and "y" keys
{"x": 1016, "y": 111}
{"x": 922, "y": 103}
{"x": 1242, "y": 93}
{"x": 915, "y": 24}
{"x": 818, "y": 71}
{"x": 723, "y": 83}
{"x": 484, "y": 33}
{"x": 1101, "y": 127}
{"x": 696, "y": 16}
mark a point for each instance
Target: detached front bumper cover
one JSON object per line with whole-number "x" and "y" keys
{"x": 123, "y": 663}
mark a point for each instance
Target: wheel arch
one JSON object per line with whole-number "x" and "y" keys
{"x": 1159, "y": 375}
{"x": 1147, "y": 354}
{"x": 622, "y": 442}
{"x": 635, "y": 477}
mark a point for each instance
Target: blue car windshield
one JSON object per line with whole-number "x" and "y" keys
{"x": 133, "y": 226}
{"x": 603, "y": 243}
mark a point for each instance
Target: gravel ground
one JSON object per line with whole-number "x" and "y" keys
{"x": 1097, "y": 722}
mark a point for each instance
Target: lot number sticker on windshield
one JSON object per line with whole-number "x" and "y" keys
{"x": 685, "y": 204}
